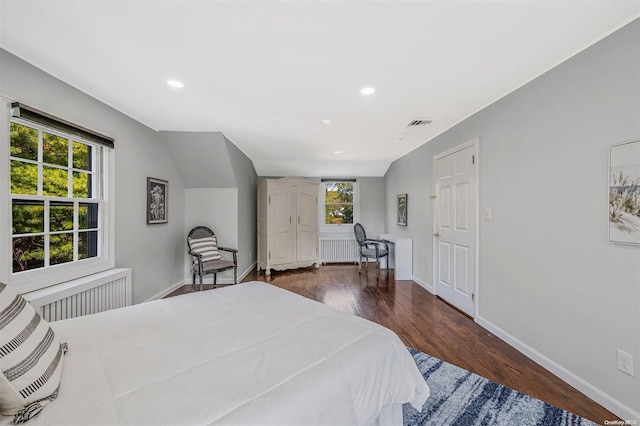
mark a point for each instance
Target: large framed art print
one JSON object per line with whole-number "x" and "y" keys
{"x": 157, "y": 201}
{"x": 624, "y": 193}
{"x": 402, "y": 209}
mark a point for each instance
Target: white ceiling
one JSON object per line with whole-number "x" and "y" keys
{"x": 266, "y": 73}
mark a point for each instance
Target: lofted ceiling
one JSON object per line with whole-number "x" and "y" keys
{"x": 267, "y": 73}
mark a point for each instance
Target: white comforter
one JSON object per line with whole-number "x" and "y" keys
{"x": 250, "y": 354}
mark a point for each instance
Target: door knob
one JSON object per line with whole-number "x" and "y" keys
{"x": 436, "y": 234}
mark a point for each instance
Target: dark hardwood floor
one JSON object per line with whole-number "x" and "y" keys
{"x": 430, "y": 325}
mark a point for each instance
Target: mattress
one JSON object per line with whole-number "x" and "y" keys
{"x": 249, "y": 354}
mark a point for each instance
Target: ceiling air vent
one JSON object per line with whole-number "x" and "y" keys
{"x": 419, "y": 123}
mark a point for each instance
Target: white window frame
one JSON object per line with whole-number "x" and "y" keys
{"x": 35, "y": 279}
{"x": 346, "y": 228}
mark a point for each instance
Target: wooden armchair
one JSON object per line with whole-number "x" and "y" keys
{"x": 370, "y": 248}
{"x": 206, "y": 258}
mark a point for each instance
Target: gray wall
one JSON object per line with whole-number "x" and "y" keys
{"x": 371, "y": 197}
{"x": 201, "y": 158}
{"x": 372, "y": 205}
{"x": 549, "y": 281}
{"x": 210, "y": 160}
{"x": 245, "y": 177}
{"x": 154, "y": 252}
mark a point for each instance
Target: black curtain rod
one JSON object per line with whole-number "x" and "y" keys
{"x": 36, "y": 116}
{"x": 337, "y": 180}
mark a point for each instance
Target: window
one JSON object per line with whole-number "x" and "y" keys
{"x": 58, "y": 211}
{"x": 339, "y": 202}
{"x": 53, "y": 198}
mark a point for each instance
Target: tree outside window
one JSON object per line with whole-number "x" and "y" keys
{"x": 338, "y": 203}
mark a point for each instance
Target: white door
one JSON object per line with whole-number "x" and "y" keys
{"x": 282, "y": 237}
{"x": 306, "y": 235}
{"x": 455, "y": 227}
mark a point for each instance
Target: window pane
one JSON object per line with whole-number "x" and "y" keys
{"x": 336, "y": 214}
{"x": 60, "y": 217}
{"x": 55, "y": 149}
{"x": 338, "y": 192}
{"x": 87, "y": 244}
{"x": 27, "y": 216}
{"x": 28, "y": 253}
{"x": 24, "y": 142}
{"x": 60, "y": 248}
{"x": 24, "y": 178}
{"x": 88, "y": 216}
{"x": 81, "y": 185}
{"x": 54, "y": 181}
{"x": 81, "y": 156}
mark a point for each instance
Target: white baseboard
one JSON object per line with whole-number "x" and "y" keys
{"x": 599, "y": 396}
{"x": 423, "y": 284}
{"x": 247, "y": 271}
{"x": 166, "y": 291}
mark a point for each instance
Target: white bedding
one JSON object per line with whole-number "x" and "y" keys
{"x": 249, "y": 354}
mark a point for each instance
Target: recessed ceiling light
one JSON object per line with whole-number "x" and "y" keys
{"x": 175, "y": 83}
{"x": 337, "y": 152}
{"x": 367, "y": 91}
{"x": 326, "y": 121}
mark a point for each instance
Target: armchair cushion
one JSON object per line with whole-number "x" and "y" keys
{"x": 207, "y": 247}
{"x": 371, "y": 252}
{"x": 217, "y": 265}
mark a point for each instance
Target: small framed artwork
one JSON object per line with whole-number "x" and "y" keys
{"x": 624, "y": 193}
{"x": 402, "y": 209}
{"x": 157, "y": 201}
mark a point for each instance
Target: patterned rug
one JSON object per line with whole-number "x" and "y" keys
{"x": 459, "y": 397}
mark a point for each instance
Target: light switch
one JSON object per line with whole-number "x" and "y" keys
{"x": 486, "y": 214}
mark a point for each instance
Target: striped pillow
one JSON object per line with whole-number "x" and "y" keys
{"x": 207, "y": 247}
{"x": 30, "y": 358}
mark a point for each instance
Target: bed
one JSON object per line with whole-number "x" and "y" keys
{"x": 249, "y": 354}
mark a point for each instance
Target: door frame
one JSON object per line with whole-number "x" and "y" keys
{"x": 475, "y": 142}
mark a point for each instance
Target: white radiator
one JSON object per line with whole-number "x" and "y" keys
{"x": 334, "y": 249}
{"x": 87, "y": 295}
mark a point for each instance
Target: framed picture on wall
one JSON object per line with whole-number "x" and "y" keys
{"x": 157, "y": 201}
{"x": 402, "y": 209}
{"x": 624, "y": 193}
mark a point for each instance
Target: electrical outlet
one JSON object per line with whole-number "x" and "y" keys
{"x": 625, "y": 362}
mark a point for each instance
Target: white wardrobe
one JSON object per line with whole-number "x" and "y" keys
{"x": 287, "y": 224}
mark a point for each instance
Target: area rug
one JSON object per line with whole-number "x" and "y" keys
{"x": 459, "y": 397}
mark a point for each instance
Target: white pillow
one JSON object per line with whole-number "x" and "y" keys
{"x": 207, "y": 247}
{"x": 30, "y": 358}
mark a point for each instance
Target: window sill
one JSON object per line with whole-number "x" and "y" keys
{"x": 29, "y": 281}
{"x": 341, "y": 233}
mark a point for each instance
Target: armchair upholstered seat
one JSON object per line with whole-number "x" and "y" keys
{"x": 206, "y": 258}
{"x": 370, "y": 249}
